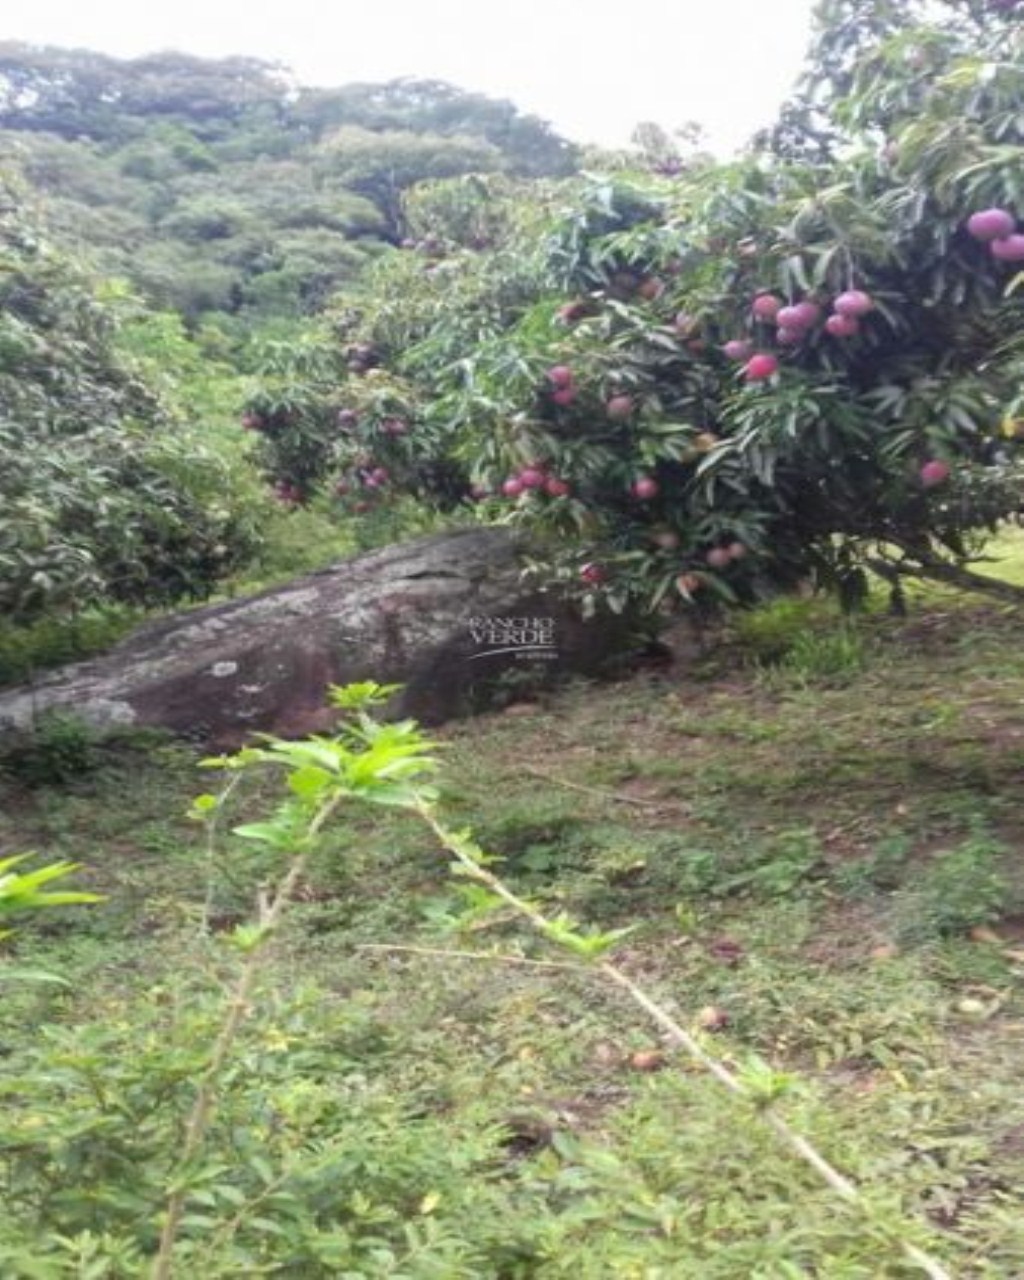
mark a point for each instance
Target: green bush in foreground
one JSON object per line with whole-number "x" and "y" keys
{"x": 201, "y": 1139}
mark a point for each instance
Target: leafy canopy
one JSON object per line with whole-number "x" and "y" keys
{"x": 559, "y": 353}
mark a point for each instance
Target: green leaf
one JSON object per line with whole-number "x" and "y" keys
{"x": 12, "y": 974}
{"x": 354, "y": 697}
{"x": 279, "y": 834}
{"x": 310, "y": 781}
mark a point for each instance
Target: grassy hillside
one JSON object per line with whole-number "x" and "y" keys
{"x": 815, "y": 831}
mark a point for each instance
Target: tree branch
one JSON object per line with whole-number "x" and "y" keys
{"x": 950, "y": 575}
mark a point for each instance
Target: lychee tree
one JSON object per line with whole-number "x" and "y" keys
{"x": 796, "y": 366}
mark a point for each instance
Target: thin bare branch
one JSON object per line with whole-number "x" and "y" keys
{"x": 443, "y": 954}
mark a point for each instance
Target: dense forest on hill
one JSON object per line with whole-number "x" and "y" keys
{"x": 224, "y": 186}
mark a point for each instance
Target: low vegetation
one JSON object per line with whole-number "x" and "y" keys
{"x": 817, "y": 863}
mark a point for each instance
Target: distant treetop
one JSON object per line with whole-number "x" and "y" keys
{"x": 79, "y": 94}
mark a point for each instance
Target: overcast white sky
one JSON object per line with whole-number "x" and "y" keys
{"x": 593, "y": 67}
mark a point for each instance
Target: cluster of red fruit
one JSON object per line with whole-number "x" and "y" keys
{"x": 532, "y": 478}
{"x": 361, "y": 357}
{"x": 998, "y": 229}
{"x": 563, "y": 392}
{"x": 348, "y": 419}
{"x": 366, "y": 479}
{"x": 563, "y": 387}
{"x": 623, "y": 285}
{"x": 688, "y": 582}
{"x": 793, "y": 323}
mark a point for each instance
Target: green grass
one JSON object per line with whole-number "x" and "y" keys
{"x": 810, "y": 846}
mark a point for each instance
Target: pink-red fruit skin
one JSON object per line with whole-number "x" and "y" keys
{"x": 560, "y": 375}
{"x": 592, "y": 574}
{"x": 808, "y": 314}
{"x": 619, "y": 407}
{"x": 1008, "y": 249}
{"x": 645, "y": 488}
{"x": 804, "y": 315}
{"x": 766, "y": 306}
{"x": 842, "y": 326}
{"x": 934, "y": 472}
{"x": 789, "y": 318}
{"x": 760, "y": 366}
{"x": 737, "y": 349}
{"x": 719, "y": 558}
{"x": 563, "y": 396}
{"x": 531, "y": 478}
{"x": 789, "y": 337}
{"x": 512, "y": 488}
{"x": 991, "y": 224}
{"x": 854, "y": 303}
{"x": 556, "y": 488}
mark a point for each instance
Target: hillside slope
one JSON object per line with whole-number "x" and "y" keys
{"x": 222, "y": 186}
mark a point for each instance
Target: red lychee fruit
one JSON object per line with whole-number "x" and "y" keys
{"x": 842, "y": 326}
{"x": 853, "y": 303}
{"x": 760, "y": 366}
{"x": 766, "y": 306}
{"x": 991, "y": 224}
{"x": 1008, "y": 249}
{"x": 645, "y": 488}
{"x": 719, "y": 558}
{"x": 934, "y": 472}
{"x": 738, "y": 349}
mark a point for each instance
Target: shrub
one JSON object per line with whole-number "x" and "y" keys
{"x": 104, "y": 495}
{"x": 59, "y": 747}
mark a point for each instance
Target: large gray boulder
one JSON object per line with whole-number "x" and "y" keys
{"x": 447, "y": 616}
